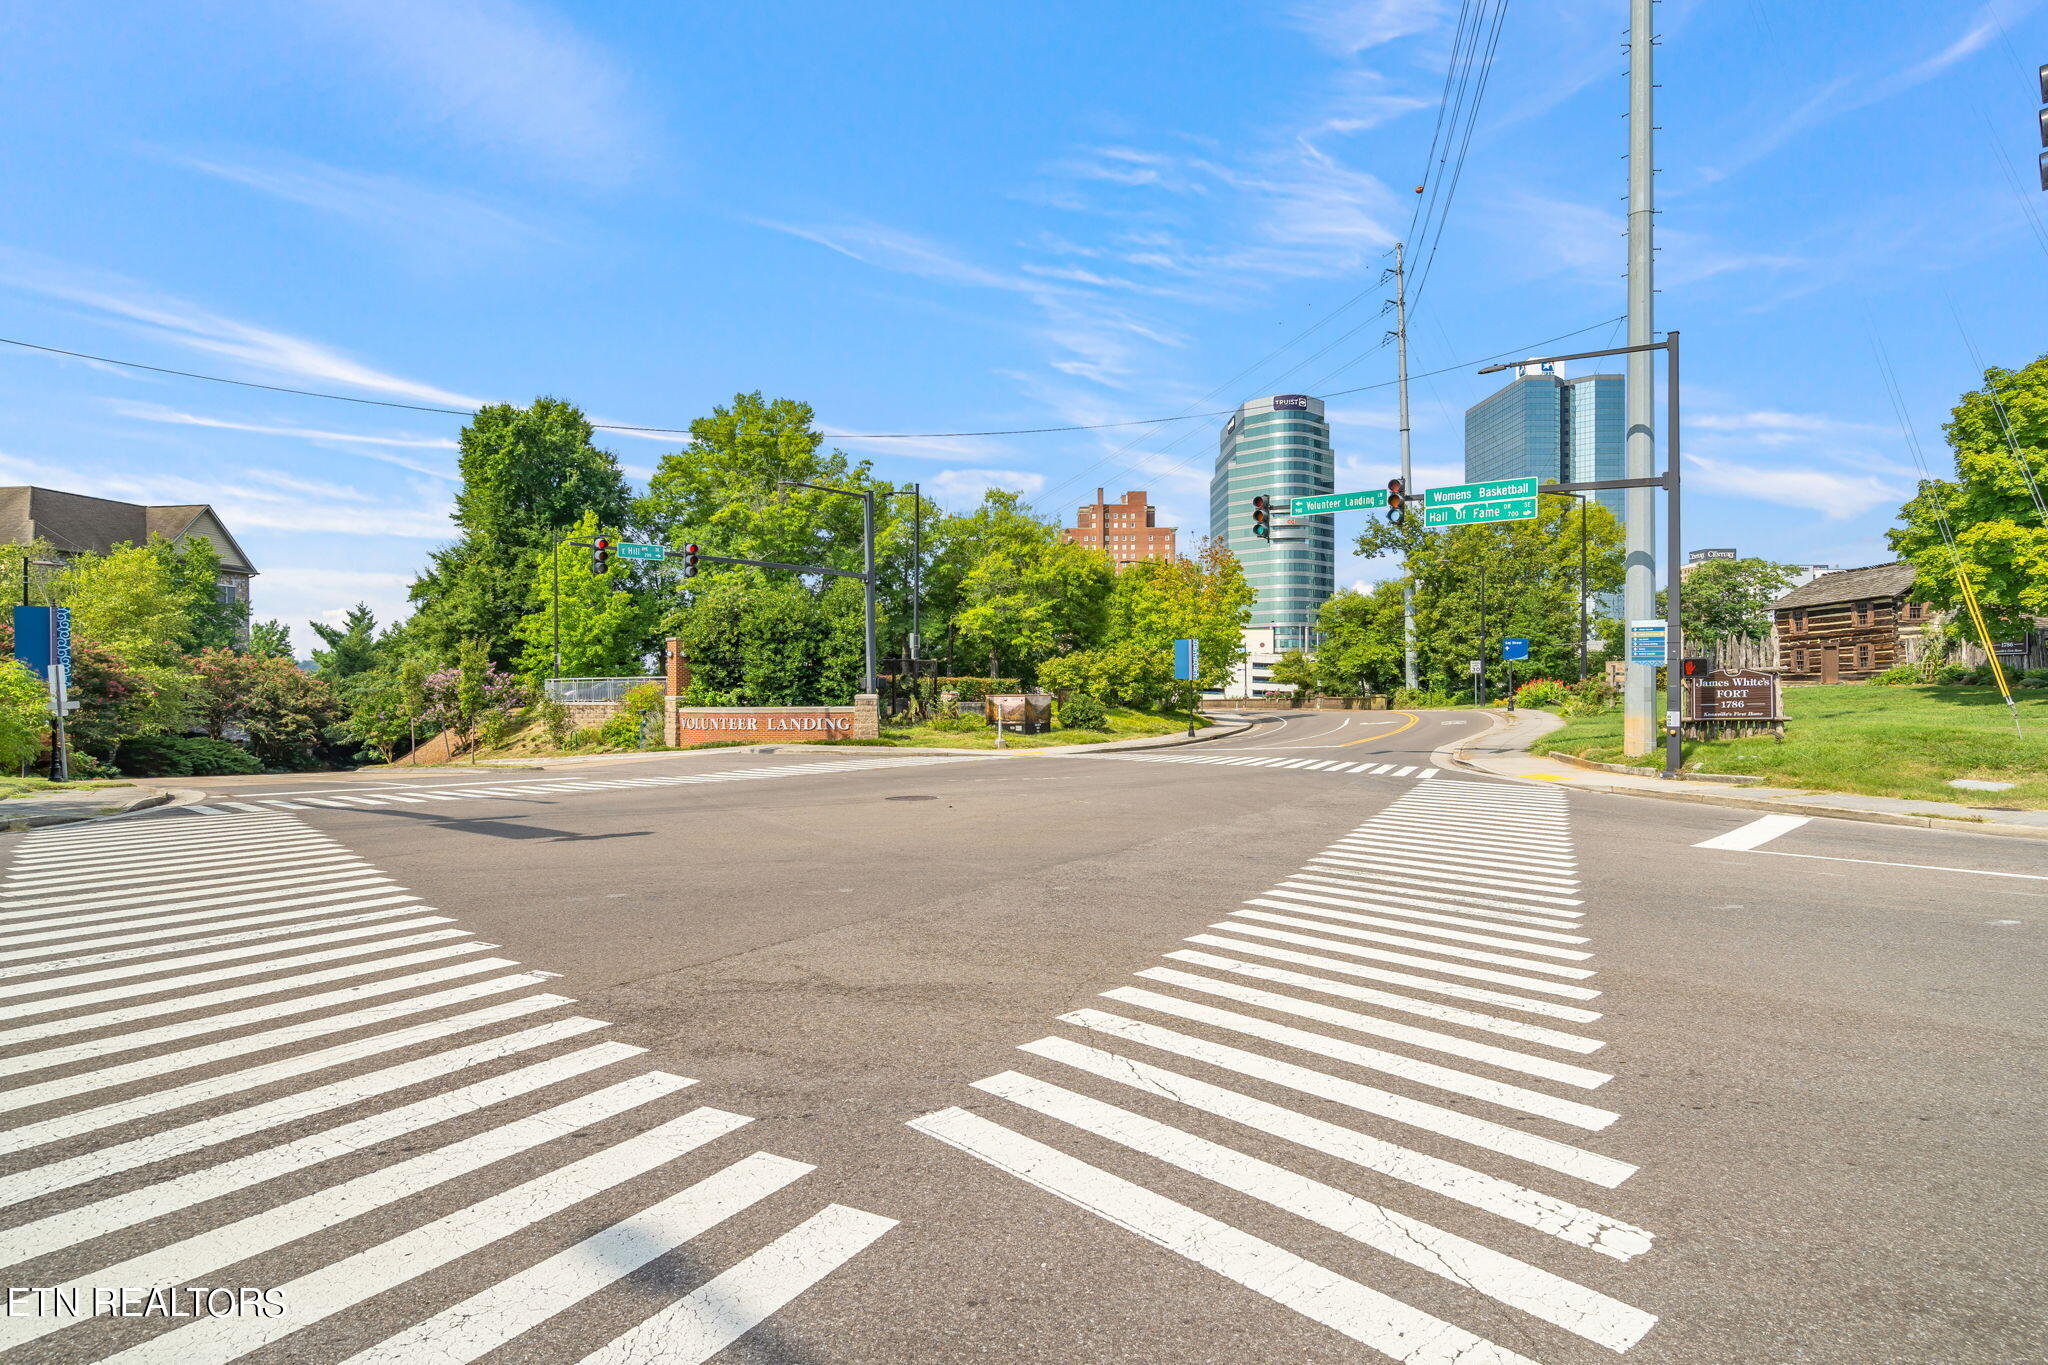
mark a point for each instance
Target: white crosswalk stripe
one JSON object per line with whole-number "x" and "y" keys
{"x": 1275, "y": 764}
{"x": 383, "y": 799}
{"x": 1257, "y": 1035}
{"x": 329, "y": 1056}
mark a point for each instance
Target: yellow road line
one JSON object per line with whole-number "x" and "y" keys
{"x": 1414, "y": 719}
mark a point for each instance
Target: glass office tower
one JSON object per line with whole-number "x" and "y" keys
{"x": 1279, "y": 446}
{"x": 1551, "y": 427}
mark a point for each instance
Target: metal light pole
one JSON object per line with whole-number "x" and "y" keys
{"x": 1639, "y": 582}
{"x": 1407, "y": 468}
{"x": 916, "y": 566}
{"x": 1669, "y": 482}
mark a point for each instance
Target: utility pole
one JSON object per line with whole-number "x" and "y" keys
{"x": 1407, "y": 469}
{"x": 1639, "y": 565}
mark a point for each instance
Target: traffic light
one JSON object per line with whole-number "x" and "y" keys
{"x": 600, "y": 555}
{"x": 689, "y": 561}
{"x": 1397, "y": 502}
{"x": 1262, "y": 516}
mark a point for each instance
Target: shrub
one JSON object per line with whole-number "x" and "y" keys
{"x": 1951, "y": 675}
{"x": 1409, "y": 698}
{"x": 184, "y": 756}
{"x": 1082, "y": 712}
{"x": 24, "y": 715}
{"x": 1542, "y": 692}
{"x": 958, "y": 724}
{"x": 2033, "y": 677}
{"x": 972, "y": 690}
{"x": 554, "y": 721}
{"x": 1898, "y": 675}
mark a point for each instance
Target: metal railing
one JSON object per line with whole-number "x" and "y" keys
{"x": 568, "y": 690}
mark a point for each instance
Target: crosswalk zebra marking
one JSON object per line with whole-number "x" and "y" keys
{"x": 318, "y": 987}
{"x": 1492, "y": 897}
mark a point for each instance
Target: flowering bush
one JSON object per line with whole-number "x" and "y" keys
{"x": 1542, "y": 692}
{"x": 475, "y": 699}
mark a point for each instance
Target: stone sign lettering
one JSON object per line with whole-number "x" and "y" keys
{"x": 779, "y": 724}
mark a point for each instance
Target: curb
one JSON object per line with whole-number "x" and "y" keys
{"x": 151, "y": 798}
{"x": 1455, "y": 758}
{"x": 1174, "y": 741}
{"x": 1731, "y": 779}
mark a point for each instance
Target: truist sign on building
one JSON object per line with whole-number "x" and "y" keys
{"x": 762, "y": 724}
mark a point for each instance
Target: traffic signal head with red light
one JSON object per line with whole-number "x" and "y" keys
{"x": 600, "y": 555}
{"x": 689, "y": 561}
{"x": 1262, "y": 516}
{"x": 1397, "y": 502}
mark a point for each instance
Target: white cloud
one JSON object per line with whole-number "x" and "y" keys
{"x": 1352, "y": 26}
{"x": 1834, "y": 495}
{"x": 498, "y": 74}
{"x": 195, "y": 328}
{"x": 961, "y": 488}
{"x": 150, "y": 412}
{"x": 413, "y": 213}
{"x": 295, "y": 595}
{"x": 904, "y": 252}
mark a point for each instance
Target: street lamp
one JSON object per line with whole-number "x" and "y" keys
{"x": 867, "y": 573}
{"x": 1668, "y": 481}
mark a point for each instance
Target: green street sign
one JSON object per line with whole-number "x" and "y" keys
{"x": 628, "y": 550}
{"x": 1468, "y": 504}
{"x": 1313, "y": 503}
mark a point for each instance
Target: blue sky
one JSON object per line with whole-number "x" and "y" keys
{"x": 936, "y": 217}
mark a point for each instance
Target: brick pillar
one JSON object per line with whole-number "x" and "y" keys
{"x": 867, "y": 716}
{"x": 676, "y": 671}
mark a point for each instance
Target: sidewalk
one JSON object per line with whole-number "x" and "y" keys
{"x": 62, "y": 808}
{"x": 1504, "y": 750}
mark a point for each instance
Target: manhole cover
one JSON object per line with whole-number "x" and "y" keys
{"x": 910, "y": 798}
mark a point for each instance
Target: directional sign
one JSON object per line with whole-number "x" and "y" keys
{"x": 1187, "y": 659}
{"x": 1315, "y": 503}
{"x": 1514, "y": 650}
{"x": 1646, "y": 642}
{"x": 1467, "y": 504}
{"x": 628, "y": 550}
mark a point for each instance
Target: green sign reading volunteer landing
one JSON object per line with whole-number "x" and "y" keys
{"x": 1311, "y": 504}
{"x": 628, "y": 550}
{"x": 1466, "y": 504}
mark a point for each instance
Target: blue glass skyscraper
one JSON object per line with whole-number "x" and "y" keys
{"x": 1279, "y": 446}
{"x": 1550, "y": 427}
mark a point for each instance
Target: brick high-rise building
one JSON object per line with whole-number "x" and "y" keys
{"x": 1125, "y": 531}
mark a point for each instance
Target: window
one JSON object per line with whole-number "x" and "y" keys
{"x": 1863, "y": 656}
{"x": 1864, "y": 613}
{"x": 1798, "y": 661}
{"x": 1799, "y": 618}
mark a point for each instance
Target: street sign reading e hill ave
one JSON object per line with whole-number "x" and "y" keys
{"x": 629, "y": 550}
{"x": 1467, "y": 504}
{"x": 1313, "y": 503}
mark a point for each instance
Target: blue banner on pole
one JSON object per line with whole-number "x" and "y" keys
{"x": 1514, "y": 650}
{"x": 32, "y": 639}
{"x": 1187, "y": 659}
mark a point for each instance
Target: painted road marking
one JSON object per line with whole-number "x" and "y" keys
{"x": 131, "y": 942}
{"x": 1494, "y": 882}
{"x": 1761, "y": 830}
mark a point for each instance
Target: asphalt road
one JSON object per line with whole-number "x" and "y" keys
{"x": 1399, "y": 1063}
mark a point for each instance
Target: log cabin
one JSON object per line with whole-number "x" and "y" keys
{"x": 1849, "y": 626}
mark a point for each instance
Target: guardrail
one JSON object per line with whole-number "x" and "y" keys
{"x": 586, "y": 690}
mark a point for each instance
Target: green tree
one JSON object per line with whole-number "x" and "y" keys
{"x": 1297, "y": 670}
{"x": 1022, "y": 606}
{"x": 1724, "y": 597}
{"x": 767, "y": 640}
{"x": 1157, "y": 601}
{"x": 352, "y": 647}
{"x": 1362, "y": 645}
{"x": 1999, "y": 535}
{"x": 526, "y": 473}
{"x": 1520, "y": 578}
{"x": 955, "y": 544}
{"x": 283, "y": 713}
{"x": 129, "y": 601}
{"x": 270, "y": 640}
{"x": 212, "y": 620}
{"x": 24, "y": 715}
{"x": 606, "y": 627}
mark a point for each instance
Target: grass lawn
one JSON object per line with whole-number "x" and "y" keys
{"x": 1879, "y": 741}
{"x": 1123, "y": 724}
{"x": 11, "y": 787}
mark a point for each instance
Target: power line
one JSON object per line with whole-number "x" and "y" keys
{"x": 684, "y": 431}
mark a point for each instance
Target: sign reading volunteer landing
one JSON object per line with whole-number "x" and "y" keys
{"x": 763, "y": 724}
{"x": 1312, "y": 504}
{"x": 1468, "y": 504}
